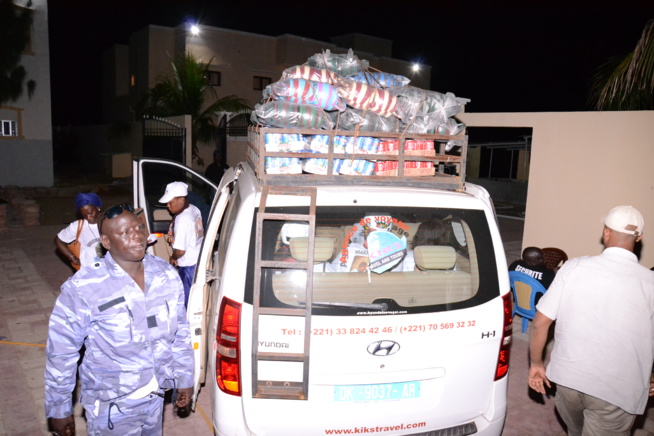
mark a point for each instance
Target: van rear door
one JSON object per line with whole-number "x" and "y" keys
{"x": 412, "y": 348}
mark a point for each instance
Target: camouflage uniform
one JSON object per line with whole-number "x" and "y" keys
{"x": 130, "y": 336}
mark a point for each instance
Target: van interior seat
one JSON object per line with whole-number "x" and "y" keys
{"x": 161, "y": 215}
{"x": 434, "y": 257}
{"x": 436, "y": 283}
{"x": 335, "y": 233}
{"x": 323, "y": 250}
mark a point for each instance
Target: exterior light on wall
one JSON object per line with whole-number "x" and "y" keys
{"x": 415, "y": 67}
{"x": 195, "y": 30}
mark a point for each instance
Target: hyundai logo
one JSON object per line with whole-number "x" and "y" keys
{"x": 383, "y": 348}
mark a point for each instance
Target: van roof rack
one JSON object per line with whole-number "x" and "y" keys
{"x": 311, "y": 157}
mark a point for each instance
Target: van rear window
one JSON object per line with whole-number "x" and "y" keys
{"x": 377, "y": 260}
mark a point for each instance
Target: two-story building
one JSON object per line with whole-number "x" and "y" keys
{"x": 26, "y": 124}
{"x": 242, "y": 64}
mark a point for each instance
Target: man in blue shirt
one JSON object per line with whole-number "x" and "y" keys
{"x": 128, "y": 312}
{"x": 533, "y": 265}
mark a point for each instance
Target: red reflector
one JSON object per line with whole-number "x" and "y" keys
{"x": 227, "y": 377}
{"x": 228, "y": 358}
{"x": 505, "y": 345}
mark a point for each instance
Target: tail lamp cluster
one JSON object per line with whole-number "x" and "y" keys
{"x": 228, "y": 358}
{"x": 505, "y": 346}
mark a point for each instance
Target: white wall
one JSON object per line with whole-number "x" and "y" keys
{"x": 582, "y": 165}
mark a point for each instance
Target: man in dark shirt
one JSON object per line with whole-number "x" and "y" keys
{"x": 216, "y": 170}
{"x": 532, "y": 264}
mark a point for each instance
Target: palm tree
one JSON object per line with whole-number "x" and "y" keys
{"x": 15, "y": 26}
{"x": 187, "y": 93}
{"x": 627, "y": 84}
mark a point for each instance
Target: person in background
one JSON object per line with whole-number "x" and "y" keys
{"x": 186, "y": 233}
{"x": 216, "y": 170}
{"x": 89, "y": 205}
{"x": 604, "y": 335}
{"x": 127, "y": 311}
{"x": 532, "y": 264}
{"x": 433, "y": 232}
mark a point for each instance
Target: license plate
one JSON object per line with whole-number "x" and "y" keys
{"x": 380, "y": 392}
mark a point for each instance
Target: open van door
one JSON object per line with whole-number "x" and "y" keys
{"x": 201, "y": 300}
{"x": 150, "y": 179}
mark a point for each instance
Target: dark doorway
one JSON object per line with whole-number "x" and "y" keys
{"x": 164, "y": 139}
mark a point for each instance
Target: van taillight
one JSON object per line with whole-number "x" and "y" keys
{"x": 505, "y": 345}
{"x": 228, "y": 358}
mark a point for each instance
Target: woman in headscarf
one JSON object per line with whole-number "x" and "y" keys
{"x": 89, "y": 205}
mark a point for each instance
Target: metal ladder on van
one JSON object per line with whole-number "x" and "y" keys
{"x": 293, "y": 390}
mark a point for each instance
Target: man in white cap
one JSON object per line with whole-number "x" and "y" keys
{"x": 604, "y": 335}
{"x": 185, "y": 234}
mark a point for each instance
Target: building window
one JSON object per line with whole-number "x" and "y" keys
{"x": 260, "y": 83}
{"x": 238, "y": 125}
{"x": 213, "y": 77}
{"x": 8, "y": 128}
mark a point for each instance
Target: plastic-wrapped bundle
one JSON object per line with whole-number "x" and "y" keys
{"x": 361, "y": 96}
{"x": 357, "y": 167}
{"x": 309, "y": 73}
{"x": 423, "y": 124}
{"x": 431, "y": 124}
{"x": 290, "y": 115}
{"x": 319, "y": 166}
{"x": 450, "y": 127}
{"x": 370, "y": 122}
{"x": 343, "y": 64}
{"x": 303, "y": 91}
{"x": 380, "y": 80}
{"x": 283, "y": 165}
{"x": 414, "y": 101}
{"x": 320, "y": 143}
{"x": 285, "y": 142}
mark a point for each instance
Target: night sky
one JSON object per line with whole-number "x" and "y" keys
{"x": 505, "y": 56}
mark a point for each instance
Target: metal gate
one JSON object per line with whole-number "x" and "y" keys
{"x": 164, "y": 139}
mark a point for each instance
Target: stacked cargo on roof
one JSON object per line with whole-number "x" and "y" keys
{"x": 362, "y": 122}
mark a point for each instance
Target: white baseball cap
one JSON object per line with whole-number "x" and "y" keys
{"x": 625, "y": 219}
{"x": 174, "y": 189}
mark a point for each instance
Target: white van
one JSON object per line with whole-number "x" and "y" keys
{"x": 305, "y": 324}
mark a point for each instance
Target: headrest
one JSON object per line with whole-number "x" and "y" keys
{"x": 429, "y": 257}
{"x": 335, "y": 233}
{"x": 323, "y": 250}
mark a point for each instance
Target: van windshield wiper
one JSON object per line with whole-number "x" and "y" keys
{"x": 370, "y": 306}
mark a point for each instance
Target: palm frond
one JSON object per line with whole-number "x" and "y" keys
{"x": 627, "y": 84}
{"x": 186, "y": 92}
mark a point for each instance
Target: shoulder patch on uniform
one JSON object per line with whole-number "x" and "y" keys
{"x": 111, "y": 303}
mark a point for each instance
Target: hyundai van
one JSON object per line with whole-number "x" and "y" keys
{"x": 343, "y": 305}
